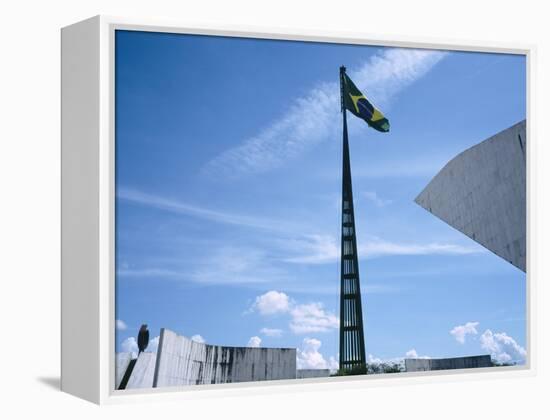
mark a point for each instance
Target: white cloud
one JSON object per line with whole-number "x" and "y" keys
{"x": 314, "y": 117}
{"x": 232, "y": 264}
{"x": 225, "y": 264}
{"x": 460, "y": 331}
{"x": 272, "y": 302}
{"x": 333, "y": 363}
{"x": 312, "y": 317}
{"x": 254, "y": 341}
{"x": 180, "y": 207}
{"x": 379, "y": 248}
{"x": 148, "y": 272}
{"x": 377, "y": 360}
{"x": 413, "y": 354}
{"x": 322, "y": 249}
{"x": 374, "y": 198}
{"x": 412, "y": 166}
{"x": 130, "y": 346}
{"x": 309, "y": 357}
{"x": 120, "y": 325}
{"x": 378, "y": 365}
{"x": 314, "y": 249}
{"x": 271, "y": 332}
{"x": 153, "y": 345}
{"x": 374, "y": 360}
{"x": 236, "y": 265}
{"x": 309, "y": 120}
{"x": 502, "y": 347}
{"x": 304, "y": 318}
{"x": 197, "y": 338}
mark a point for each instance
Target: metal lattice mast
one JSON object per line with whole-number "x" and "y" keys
{"x": 352, "y": 341}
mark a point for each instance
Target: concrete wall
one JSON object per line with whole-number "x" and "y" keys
{"x": 143, "y": 372}
{"x": 419, "y": 365}
{"x": 312, "y": 373}
{"x": 182, "y": 361}
{"x": 122, "y": 362}
{"x": 482, "y": 193}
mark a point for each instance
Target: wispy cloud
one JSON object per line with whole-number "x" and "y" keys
{"x": 232, "y": 263}
{"x": 271, "y": 332}
{"x": 312, "y": 318}
{"x": 236, "y": 265}
{"x": 180, "y": 207}
{"x": 329, "y": 288}
{"x": 376, "y": 247}
{"x": 314, "y": 249}
{"x": 313, "y": 118}
{"x": 224, "y": 265}
{"x": 321, "y": 249}
{"x": 413, "y": 167}
{"x": 149, "y": 272}
{"x": 374, "y": 198}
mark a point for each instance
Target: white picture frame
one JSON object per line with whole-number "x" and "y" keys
{"x": 88, "y": 271}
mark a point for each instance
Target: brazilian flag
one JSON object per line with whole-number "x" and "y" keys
{"x": 359, "y": 106}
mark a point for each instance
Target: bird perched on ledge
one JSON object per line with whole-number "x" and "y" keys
{"x": 143, "y": 338}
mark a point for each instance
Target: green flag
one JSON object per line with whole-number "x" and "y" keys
{"x": 358, "y": 105}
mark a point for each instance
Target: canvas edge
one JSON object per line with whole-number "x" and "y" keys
{"x": 80, "y": 303}
{"x": 107, "y": 394}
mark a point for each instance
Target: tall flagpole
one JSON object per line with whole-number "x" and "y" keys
{"x": 352, "y": 340}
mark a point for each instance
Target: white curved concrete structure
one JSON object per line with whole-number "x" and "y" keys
{"x": 181, "y": 361}
{"x": 481, "y": 193}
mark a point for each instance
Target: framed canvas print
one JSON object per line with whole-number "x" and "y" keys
{"x": 250, "y": 210}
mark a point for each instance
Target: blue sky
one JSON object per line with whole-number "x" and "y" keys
{"x": 228, "y": 183}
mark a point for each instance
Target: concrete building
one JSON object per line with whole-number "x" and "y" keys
{"x": 143, "y": 371}
{"x": 182, "y": 361}
{"x": 482, "y": 193}
{"x": 420, "y": 365}
{"x": 312, "y": 373}
{"x": 135, "y": 372}
{"x": 122, "y": 362}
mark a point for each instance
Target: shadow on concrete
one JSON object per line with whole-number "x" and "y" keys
{"x": 53, "y": 382}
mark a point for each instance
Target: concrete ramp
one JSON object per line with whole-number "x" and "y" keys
{"x": 482, "y": 193}
{"x": 122, "y": 362}
{"x": 143, "y": 371}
